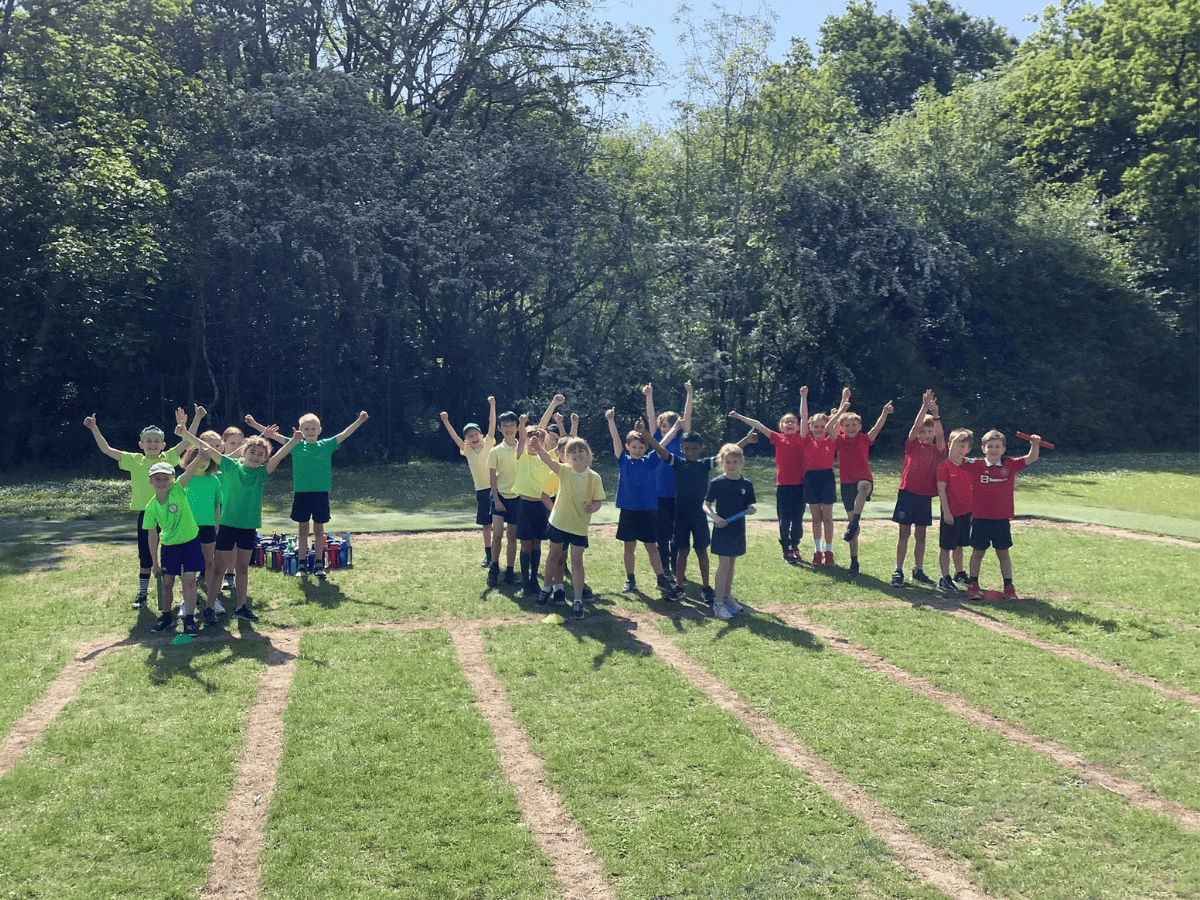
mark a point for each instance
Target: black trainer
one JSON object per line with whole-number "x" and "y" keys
{"x": 139, "y": 601}
{"x": 897, "y": 579}
{"x": 629, "y": 586}
{"x": 587, "y": 594}
{"x": 560, "y": 596}
{"x": 962, "y": 577}
{"x": 319, "y": 572}
{"x": 510, "y": 577}
{"x": 544, "y": 597}
{"x": 165, "y": 621}
{"x": 243, "y": 612}
{"x": 210, "y": 617}
{"x": 577, "y": 609}
{"x": 708, "y": 595}
{"x": 919, "y": 576}
{"x": 947, "y": 584}
{"x": 851, "y": 530}
{"x": 853, "y": 567}
{"x": 666, "y": 584}
{"x": 189, "y": 625}
{"x": 493, "y": 576}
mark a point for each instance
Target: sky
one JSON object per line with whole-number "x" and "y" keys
{"x": 798, "y": 18}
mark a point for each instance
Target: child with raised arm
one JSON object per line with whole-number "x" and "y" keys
{"x": 475, "y": 446}
{"x": 580, "y": 494}
{"x": 153, "y": 445}
{"x": 790, "y": 468}
{"x": 992, "y": 498}
{"x": 204, "y": 493}
{"x": 664, "y": 519}
{"x": 955, "y": 501}
{"x": 502, "y": 473}
{"x": 854, "y": 471}
{"x": 923, "y": 453}
{"x": 729, "y": 495}
{"x": 819, "y": 491}
{"x": 532, "y": 512}
{"x": 241, "y": 516}
{"x": 637, "y": 500}
{"x": 170, "y": 512}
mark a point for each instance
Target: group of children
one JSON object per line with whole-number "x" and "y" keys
{"x": 206, "y": 521}
{"x": 667, "y": 500}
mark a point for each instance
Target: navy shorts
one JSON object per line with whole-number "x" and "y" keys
{"x": 509, "y": 513}
{"x": 242, "y": 538}
{"x": 208, "y": 534}
{"x": 913, "y": 509}
{"x": 691, "y": 530}
{"x": 951, "y": 537}
{"x": 532, "y": 518}
{"x": 555, "y": 536}
{"x": 176, "y": 558}
{"x": 991, "y": 533}
{"x": 637, "y": 525}
{"x": 483, "y": 506}
{"x": 310, "y": 505}
{"x": 850, "y": 494}
{"x": 819, "y": 487}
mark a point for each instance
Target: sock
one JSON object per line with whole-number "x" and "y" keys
{"x": 918, "y": 568}
{"x": 143, "y": 585}
{"x": 974, "y": 579}
{"x": 960, "y": 572}
{"x": 487, "y": 553}
{"x": 1007, "y": 582}
{"x": 828, "y": 546}
{"x": 524, "y": 565}
{"x": 535, "y": 562}
{"x": 900, "y": 569}
{"x": 854, "y": 559}
{"x": 817, "y": 546}
{"x": 630, "y": 574}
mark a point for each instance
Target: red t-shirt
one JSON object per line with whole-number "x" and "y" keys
{"x": 992, "y": 487}
{"x": 959, "y": 481}
{"x": 790, "y": 464}
{"x": 819, "y": 454}
{"x": 853, "y": 458}
{"x": 919, "y": 475}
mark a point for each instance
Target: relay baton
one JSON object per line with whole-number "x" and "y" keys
{"x": 735, "y": 517}
{"x": 159, "y": 584}
{"x": 1023, "y": 436}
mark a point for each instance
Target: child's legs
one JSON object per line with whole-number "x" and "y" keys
{"x": 860, "y": 501}
{"x": 629, "y": 554}
{"x": 976, "y": 561}
{"x": 655, "y": 559}
{"x": 702, "y": 565}
{"x": 241, "y": 573}
{"x": 510, "y": 535}
{"x": 724, "y": 573}
{"x": 681, "y": 559}
{"x": 487, "y": 538}
{"x": 212, "y": 574}
{"x": 957, "y": 555}
{"x": 823, "y": 521}
{"x": 302, "y": 540}
{"x": 919, "y": 546}
{"x": 902, "y": 545}
{"x": 944, "y": 560}
{"x": 577, "y": 574}
{"x": 189, "y": 593}
{"x": 145, "y": 560}
{"x": 168, "y": 598}
{"x": 497, "y": 537}
{"x": 556, "y": 558}
{"x": 319, "y": 543}
{"x": 1005, "y": 563}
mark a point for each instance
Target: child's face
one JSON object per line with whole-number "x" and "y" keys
{"x": 256, "y": 455}
{"x": 161, "y": 482}
{"x": 152, "y": 445}
{"x": 962, "y": 446}
{"x": 534, "y": 441}
{"x": 816, "y": 426}
{"x": 311, "y": 429}
{"x": 731, "y": 465}
{"x": 509, "y": 430}
{"x": 473, "y": 439}
{"x": 231, "y": 440}
{"x": 635, "y": 447}
{"x": 579, "y": 458}
{"x": 789, "y": 424}
{"x": 850, "y": 427}
{"x": 691, "y": 450}
{"x": 666, "y": 422}
{"x": 927, "y": 434}
{"x": 994, "y": 450}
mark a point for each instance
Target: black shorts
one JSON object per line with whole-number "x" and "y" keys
{"x": 636, "y": 525}
{"x": 176, "y": 558}
{"x": 532, "y": 518}
{"x": 991, "y": 533}
{"x": 509, "y": 513}
{"x": 555, "y": 536}
{"x": 951, "y": 537}
{"x": 850, "y": 494}
{"x": 913, "y": 509}
{"x": 310, "y": 505}
{"x": 819, "y": 487}
{"x": 208, "y": 534}
{"x": 242, "y": 538}
{"x": 691, "y": 530}
{"x": 483, "y": 506}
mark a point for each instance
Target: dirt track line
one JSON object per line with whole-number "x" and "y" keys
{"x": 1087, "y": 771}
{"x": 910, "y": 851}
{"x": 558, "y": 835}
{"x": 237, "y": 845}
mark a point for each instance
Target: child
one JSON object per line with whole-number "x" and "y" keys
{"x": 637, "y": 500}
{"x": 475, "y": 446}
{"x": 854, "y": 471}
{"x": 241, "y": 516}
{"x": 790, "y": 468}
{"x": 664, "y": 518}
{"x": 580, "y": 494}
{"x": 819, "y": 491}
{"x": 992, "y": 497}
{"x": 203, "y": 490}
{"x": 170, "y": 511}
{"x": 728, "y": 494}
{"x": 923, "y": 452}
{"x": 532, "y": 512}
{"x": 152, "y": 443}
{"x": 955, "y": 501}
{"x": 502, "y": 473}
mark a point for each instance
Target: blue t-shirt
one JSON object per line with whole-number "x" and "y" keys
{"x": 636, "y": 482}
{"x": 665, "y": 479}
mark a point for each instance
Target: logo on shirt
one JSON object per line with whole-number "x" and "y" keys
{"x": 1001, "y": 476}
{"x": 172, "y": 507}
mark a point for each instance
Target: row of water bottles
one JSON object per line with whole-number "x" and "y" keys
{"x": 278, "y": 552}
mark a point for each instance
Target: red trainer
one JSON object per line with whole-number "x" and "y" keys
{"x": 829, "y": 559}
{"x": 973, "y": 590}
{"x": 817, "y": 560}
{"x": 1010, "y": 592}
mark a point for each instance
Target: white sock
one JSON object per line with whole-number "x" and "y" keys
{"x": 828, "y": 546}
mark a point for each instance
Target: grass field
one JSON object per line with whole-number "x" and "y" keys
{"x": 401, "y": 731}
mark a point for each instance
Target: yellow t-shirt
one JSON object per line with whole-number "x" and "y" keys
{"x": 477, "y": 462}
{"x": 531, "y": 475}
{"x": 138, "y": 466}
{"x": 550, "y": 488}
{"x": 503, "y": 459}
{"x": 575, "y": 489}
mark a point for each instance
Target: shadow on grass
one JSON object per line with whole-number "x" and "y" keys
{"x": 167, "y": 660}
{"x": 325, "y": 593}
{"x": 27, "y": 556}
{"x": 1072, "y": 620}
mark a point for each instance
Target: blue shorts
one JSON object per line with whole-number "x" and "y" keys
{"x": 176, "y": 558}
{"x": 208, "y": 534}
{"x": 242, "y": 538}
{"x": 509, "y": 514}
{"x": 850, "y": 494}
{"x": 532, "y": 517}
{"x": 819, "y": 487}
{"x": 913, "y": 509}
{"x": 310, "y": 505}
{"x": 991, "y": 533}
{"x": 557, "y": 536}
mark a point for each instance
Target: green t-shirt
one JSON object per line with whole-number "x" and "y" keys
{"x": 204, "y": 496}
{"x": 138, "y": 466}
{"x": 312, "y": 465}
{"x": 174, "y": 517}
{"x": 243, "y": 493}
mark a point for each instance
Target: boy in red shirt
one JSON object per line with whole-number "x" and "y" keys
{"x": 820, "y": 491}
{"x": 854, "y": 471}
{"x": 954, "y": 498}
{"x": 992, "y": 495}
{"x": 923, "y": 452}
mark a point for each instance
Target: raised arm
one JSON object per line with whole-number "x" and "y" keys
{"x": 687, "y": 406}
{"x": 648, "y": 437}
{"x": 549, "y": 460}
{"x": 916, "y": 427}
{"x": 202, "y": 454}
{"x": 274, "y": 461}
{"x": 557, "y": 401}
{"x": 831, "y": 426}
{"x": 521, "y": 424}
{"x": 753, "y": 423}
{"x": 90, "y": 424}
{"x": 939, "y": 435}
{"x": 750, "y": 438}
{"x": 618, "y": 447}
{"x": 445, "y": 417}
{"x": 888, "y": 409}
{"x": 1035, "y": 449}
{"x": 804, "y": 410}
{"x": 574, "y": 424}
{"x": 491, "y": 432}
{"x": 263, "y": 429}
{"x": 181, "y": 418}
{"x": 648, "y": 391}
{"x": 352, "y": 427}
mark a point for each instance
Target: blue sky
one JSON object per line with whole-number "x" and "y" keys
{"x": 796, "y": 19}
